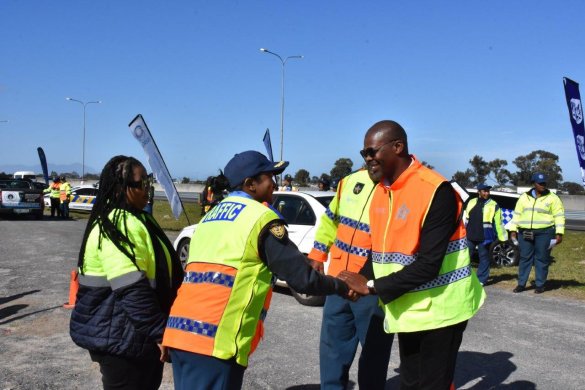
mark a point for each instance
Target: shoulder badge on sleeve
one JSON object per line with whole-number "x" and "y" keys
{"x": 278, "y": 230}
{"x": 358, "y": 188}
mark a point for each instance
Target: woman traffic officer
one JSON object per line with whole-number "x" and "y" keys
{"x": 129, "y": 275}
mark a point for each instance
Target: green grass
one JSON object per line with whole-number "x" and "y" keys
{"x": 162, "y": 214}
{"x": 566, "y": 276}
{"x": 165, "y": 218}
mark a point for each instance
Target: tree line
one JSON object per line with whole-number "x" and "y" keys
{"x": 495, "y": 172}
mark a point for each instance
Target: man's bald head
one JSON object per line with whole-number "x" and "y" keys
{"x": 387, "y": 131}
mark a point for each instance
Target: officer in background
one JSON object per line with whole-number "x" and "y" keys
{"x": 538, "y": 224}
{"x": 64, "y": 196}
{"x": 344, "y": 233}
{"x": 149, "y": 208}
{"x": 287, "y": 184}
{"x": 216, "y": 322}
{"x": 213, "y": 193}
{"x": 483, "y": 220}
{"x": 54, "y": 191}
{"x": 324, "y": 184}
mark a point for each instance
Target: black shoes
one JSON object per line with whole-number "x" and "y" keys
{"x": 537, "y": 290}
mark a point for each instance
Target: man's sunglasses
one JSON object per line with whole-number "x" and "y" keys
{"x": 144, "y": 183}
{"x": 372, "y": 152}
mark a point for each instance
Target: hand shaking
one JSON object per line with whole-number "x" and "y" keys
{"x": 355, "y": 282}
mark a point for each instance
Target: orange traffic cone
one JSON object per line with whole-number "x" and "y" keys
{"x": 73, "y": 287}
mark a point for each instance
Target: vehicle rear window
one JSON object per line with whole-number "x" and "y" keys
{"x": 14, "y": 185}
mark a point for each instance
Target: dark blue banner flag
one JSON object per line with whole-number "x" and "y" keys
{"x": 43, "y": 164}
{"x": 576, "y": 116}
{"x": 268, "y": 144}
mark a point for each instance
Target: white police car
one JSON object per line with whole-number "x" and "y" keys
{"x": 301, "y": 210}
{"x": 82, "y": 198}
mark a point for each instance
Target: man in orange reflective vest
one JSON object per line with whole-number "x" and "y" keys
{"x": 65, "y": 196}
{"x": 420, "y": 260}
{"x": 54, "y": 191}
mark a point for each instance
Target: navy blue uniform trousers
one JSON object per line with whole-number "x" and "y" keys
{"x": 344, "y": 324}
{"x": 535, "y": 253}
{"x": 193, "y": 371}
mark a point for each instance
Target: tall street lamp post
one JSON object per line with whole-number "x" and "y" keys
{"x": 283, "y": 62}
{"x": 84, "y": 104}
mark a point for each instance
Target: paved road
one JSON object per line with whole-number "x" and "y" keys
{"x": 517, "y": 341}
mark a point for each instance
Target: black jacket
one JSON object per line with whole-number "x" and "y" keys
{"x": 128, "y": 321}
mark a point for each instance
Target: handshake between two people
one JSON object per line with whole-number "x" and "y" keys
{"x": 357, "y": 283}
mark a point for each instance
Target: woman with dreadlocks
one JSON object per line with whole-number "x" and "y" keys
{"x": 129, "y": 274}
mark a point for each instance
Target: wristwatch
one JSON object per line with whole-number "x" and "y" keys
{"x": 370, "y": 286}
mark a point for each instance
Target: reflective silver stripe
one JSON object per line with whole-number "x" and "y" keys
{"x": 126, "y": 279}
{"x": 354, "y": 224}
{"x": 354, "y": 250}
{"x": 526, "y": 224}
{"x": 210, "y": 277}
{"x": 393, "y": 257}
{"x": 403, "y": 259}
{"x": 93, "y": 281}
{"x": 448, "y": 278}
{"x": 559, "y": 215}
{"x": 192, "y": 326}
{"x": 538, "y": 209}
{"x": 487, "y": 225}
{"x": 456, "y": 245}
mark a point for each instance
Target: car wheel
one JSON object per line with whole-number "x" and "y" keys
{"x": 504, "y": 253}
{"x": 308, "y": 300}
{"x": 183, "y": 251}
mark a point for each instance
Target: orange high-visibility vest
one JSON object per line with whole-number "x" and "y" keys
{"x": 225, "y": 295}
{"x": 65, "y": 191}
{"x": 345, "y": 228}
{"x": 397, "y": 214}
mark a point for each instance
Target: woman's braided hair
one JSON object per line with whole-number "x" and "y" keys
{"x": 111, "y": 197}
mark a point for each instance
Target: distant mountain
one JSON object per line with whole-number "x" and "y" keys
{"x": 59, "y": 168}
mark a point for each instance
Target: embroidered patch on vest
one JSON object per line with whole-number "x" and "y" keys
{"x": 358, "y": 188}
{"x": 278, "y": 231}
{"x": 403, "y": 212}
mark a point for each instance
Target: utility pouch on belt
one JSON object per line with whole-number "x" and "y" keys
{"x": 528, "y": 235}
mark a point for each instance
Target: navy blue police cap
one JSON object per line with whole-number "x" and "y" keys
{"x": 483, "y": 186}
{"x": 249, "y": 164}
{"x": 539, "y": 178}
